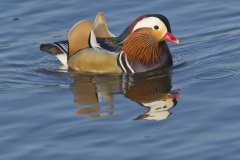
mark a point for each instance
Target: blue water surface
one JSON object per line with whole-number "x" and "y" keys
{"x": 191, "y": 111}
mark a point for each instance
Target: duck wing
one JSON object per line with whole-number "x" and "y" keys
{"x": 100, "y": 27}
{"x": 100, "y": 32}
{"x": 78, "y": 37}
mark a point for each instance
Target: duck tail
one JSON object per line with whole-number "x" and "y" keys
{"x": 58, "y": 49}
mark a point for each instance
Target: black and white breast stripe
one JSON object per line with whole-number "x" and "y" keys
{"x": 124, "y": 63}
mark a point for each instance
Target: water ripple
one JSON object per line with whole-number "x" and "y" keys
{"x": 214, "y": 73}
{"x": 178, "y": 61}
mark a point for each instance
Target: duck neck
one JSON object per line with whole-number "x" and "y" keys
{"x": 142, "y": 57}
{"x": 132, "y": 66}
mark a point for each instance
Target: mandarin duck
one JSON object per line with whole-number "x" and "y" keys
{"x": 93, "y": 48}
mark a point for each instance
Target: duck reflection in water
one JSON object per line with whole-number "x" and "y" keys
{"x": 95, "y": 94}
{"x": 152, "y": 90}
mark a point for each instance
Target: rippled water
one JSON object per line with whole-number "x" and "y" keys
{"x": 191, "y": 111}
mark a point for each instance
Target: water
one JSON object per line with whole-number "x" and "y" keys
{"x": 48, "y": 113}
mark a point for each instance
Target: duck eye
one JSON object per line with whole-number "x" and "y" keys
{"x": 156, "y": 27}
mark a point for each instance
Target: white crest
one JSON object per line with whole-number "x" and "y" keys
{"x": 150, "y": 22}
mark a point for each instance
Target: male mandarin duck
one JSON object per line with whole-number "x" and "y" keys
{"x": 94, "y": 49}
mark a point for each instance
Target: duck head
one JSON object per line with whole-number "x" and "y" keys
{"x": 144, "y": 39}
